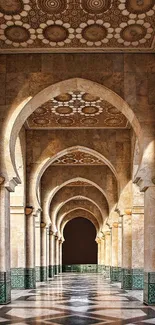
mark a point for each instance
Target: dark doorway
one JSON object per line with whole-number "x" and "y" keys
{"x": 79, "y": 246}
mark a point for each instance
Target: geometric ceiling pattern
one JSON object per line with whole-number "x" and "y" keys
{"x": 77, "y": 110}
{"x": 79, "y": 183}
{"x": 78, "y": 158}
{"x": 77, "y": 25}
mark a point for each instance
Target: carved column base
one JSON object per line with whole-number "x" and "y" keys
{"x": 149, "y": 288}
{"x": 5, "y": 288}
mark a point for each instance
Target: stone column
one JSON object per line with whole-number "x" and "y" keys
{"x": 30, "y": 278}
{"x": 114, "y": 274}
{"x": 98, "y": 241}
{"x": 57, "y": 252}
{"x": 101, "y": 267}
{"x": 43, "y": 270}
{"x": 149, "y": 246}
{"x": 127, "y": 252}
{"x": 18, "y": 248}
{"x": 137, "y": 248}
{"x": 102, "y": 250}
{"x": 48, "y": 251}
{"x": 120, "y": 249}
{"x": 107, "y": 253}
{"x": 38, "y": 250}
{"x": 5, "y": 276}
{"x": 60, "y": 254}
{"x": 51, "y": 254}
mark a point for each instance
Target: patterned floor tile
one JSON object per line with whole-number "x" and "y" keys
{"x": 77, "y": 299}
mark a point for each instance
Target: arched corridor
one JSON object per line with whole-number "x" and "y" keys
{"x": 77, "y": 175}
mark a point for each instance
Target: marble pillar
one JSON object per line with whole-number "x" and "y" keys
{"x": 120, "y": 249}
{"x": 137, "y": 248}
{"x": 5, "y": 275}
{"x": 101, "y": 266}
{"x": 51, "y": 254}
{"x": 107, "y": 253}
{"x": 114, "y": 272}
{"x": 48, "y": 250}
{"x": 37, "y": 250}
{"x": 30, "y": 276}
{"x": 60, "y": 254}
{"x": 149, "y": 246}
{"x": 18, "y": 248}
{"x": 102, "y": 257}
{"x": 127, "y": 252}
{"x": 43, "y": 269}
{"x": 57, "y": 252}
{"x": 98, "y": 241}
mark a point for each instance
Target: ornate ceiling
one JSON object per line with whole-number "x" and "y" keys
{"x": 77, "y": 25}
{"x": 77, "y": 110}
{"x": 78, "y": 158}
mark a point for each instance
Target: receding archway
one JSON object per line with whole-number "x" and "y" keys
{"x": 79, "y": 246}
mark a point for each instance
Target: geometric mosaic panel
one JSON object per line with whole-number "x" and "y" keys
{"x": 76, "y": 110}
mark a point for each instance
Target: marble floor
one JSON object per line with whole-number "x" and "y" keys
{"x": 77, "y": 299}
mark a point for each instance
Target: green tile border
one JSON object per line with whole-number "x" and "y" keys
{"x": 30, "y": 278}
{"x": 43, "y": 273}
{"x": 38, "y": 275}
{"x": 115, "y": 274}
{"x": 137, "y": 279}
{"x": 84, "y": 268}
{"x": 5, "y": 288}
{"x": 56, "y": 269}
{"x": 18, "y": 278}
{"x": 51, "y": 271}
{"x": 149, "y": 288}
{"x": 132, "y": 279}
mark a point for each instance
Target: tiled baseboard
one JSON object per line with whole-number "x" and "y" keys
{"x": 149, "y": 288}
{"x": 84, "y": 268}
{"x": 23, "y": 278}
{"x": 115, "y": 274}
{"x": 5, "y": 288}
{"x": 132, "y": 279}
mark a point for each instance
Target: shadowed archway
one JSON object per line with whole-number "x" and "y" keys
{"x": 79, "y": 246}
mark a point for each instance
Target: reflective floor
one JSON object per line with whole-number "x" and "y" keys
{"x": 77, "y": 299}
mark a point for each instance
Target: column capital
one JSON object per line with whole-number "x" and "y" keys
{"x": 115, "y": 224}
{"x": 42, "y": 225}
{"x": 107, "y": 233}
{"x": 28, "y": 210}
{"x": 51, "y": 232}
{"x": 98, "y": 240}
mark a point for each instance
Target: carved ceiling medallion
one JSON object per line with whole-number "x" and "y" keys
{"x": 52, "y": 6}
{"x": 11, "y": 7}
{"x": 96, "y": 6}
